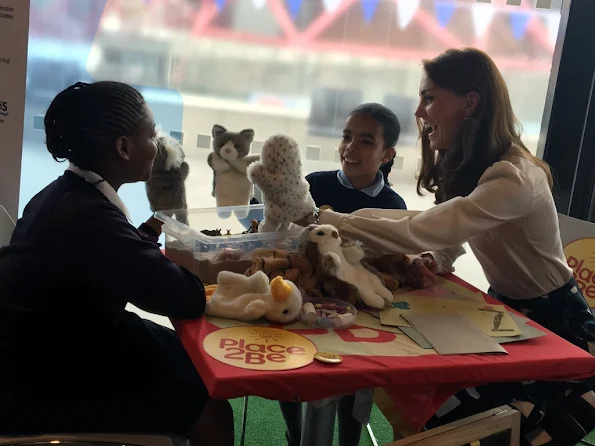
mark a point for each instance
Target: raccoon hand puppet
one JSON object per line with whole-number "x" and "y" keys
{"x": 166, "y": 189}
{"x": 229, "y": 160}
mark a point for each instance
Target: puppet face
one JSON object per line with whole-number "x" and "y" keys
{"x": 169, "y": 154}
{"x": 287, "y": 308}
{"x": 281, "y": 153}
{"x": 325, "y": 236}
{"x": 231, "y": 145}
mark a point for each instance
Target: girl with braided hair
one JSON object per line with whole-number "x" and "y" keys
{"x": 73, "y": 359}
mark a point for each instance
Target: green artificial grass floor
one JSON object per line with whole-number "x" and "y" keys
{"x": 589, "y": 440}
{"x": 263, "y": 412}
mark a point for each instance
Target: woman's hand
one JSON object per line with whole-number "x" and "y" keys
{"x": 307, "y": 219}
{"x": 422, "y": 273}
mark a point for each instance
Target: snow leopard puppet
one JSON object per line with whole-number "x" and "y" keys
{"x": 285, "y": 191}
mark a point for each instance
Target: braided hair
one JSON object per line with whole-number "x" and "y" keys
{"x": 85, "y": 118}
{"x": 385, "y": 169}
{"x": 391, "y": 129}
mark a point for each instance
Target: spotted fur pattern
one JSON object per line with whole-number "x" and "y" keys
{"x": 285, "y": 191}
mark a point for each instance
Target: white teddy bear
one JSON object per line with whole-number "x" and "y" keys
{"x": 285, "y": 191}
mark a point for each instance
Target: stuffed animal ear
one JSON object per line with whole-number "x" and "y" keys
{"x": 159, "y": 131}
{"x": 248, "y": 135}
{"x": 280, "y": 289}
{"x": 171, "y": 150}
{"x": 218, "y": 130}
{"x": 209, "y": 290}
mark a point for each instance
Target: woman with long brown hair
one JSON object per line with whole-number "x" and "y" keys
{"x": 493, "y": 193}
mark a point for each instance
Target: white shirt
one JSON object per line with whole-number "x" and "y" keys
{"x": 371, "y": 191}
{"x": 510, "y": 221}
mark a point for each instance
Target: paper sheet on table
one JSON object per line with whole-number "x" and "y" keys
{"x": 482, "y": 315}
{"x": 364, "y": 319}
{"x": 443, "y": 288}
{"x": 527, "y": 332}
{"x": 453, "y": 334}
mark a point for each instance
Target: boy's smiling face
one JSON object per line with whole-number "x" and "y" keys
{"x": 362, "y": 149}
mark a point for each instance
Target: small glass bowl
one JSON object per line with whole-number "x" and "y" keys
{"x": 328, "y": 313}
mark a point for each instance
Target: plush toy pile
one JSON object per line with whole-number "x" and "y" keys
{"x": 289, "y": 265}
{"x": 324, "y": 266}
{"x": 278, "y": 279}
{"x": 341, "y": 269}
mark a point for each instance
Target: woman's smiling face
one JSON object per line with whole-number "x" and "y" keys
{"x": 442, "y": 113}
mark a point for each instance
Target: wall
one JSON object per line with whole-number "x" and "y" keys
{"x": 14, "y": 28}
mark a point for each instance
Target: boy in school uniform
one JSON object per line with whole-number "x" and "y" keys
{"x": 366, "y": 151}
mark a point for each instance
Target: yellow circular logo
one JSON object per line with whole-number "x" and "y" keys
{"x": 580, "y": 256}
{"x": 260, "y": 348}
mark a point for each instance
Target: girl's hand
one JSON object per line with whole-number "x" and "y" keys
{"x": 422, "y": 273}
{"x": 155, "y": 225}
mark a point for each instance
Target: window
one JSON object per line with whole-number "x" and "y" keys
{"x": 282, "y": 66}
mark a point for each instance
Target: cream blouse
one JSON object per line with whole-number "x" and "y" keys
{"x": 510, "y": 221}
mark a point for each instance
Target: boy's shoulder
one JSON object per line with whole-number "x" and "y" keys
{"x": 324, "y": 175}
{"x": 392, "y": 199}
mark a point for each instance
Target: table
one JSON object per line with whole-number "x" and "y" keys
{"x": 418, "y": 385}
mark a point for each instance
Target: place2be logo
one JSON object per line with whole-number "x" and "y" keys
{"x": 3, "y": 110}
{"x": 580, "y": 255}
{"x": 259, "y": 348}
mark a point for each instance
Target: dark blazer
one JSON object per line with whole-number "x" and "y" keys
{"x": 72, "y": 265}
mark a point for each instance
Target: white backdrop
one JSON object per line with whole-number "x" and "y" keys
{"x": 14, "y": 32}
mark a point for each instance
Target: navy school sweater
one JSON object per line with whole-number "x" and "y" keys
{"x": 327, "y": 190}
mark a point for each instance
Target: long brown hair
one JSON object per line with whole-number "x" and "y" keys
{"x": 492, "y": 132}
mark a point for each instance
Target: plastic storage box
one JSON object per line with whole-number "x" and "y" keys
{"x": 187, "y": 244}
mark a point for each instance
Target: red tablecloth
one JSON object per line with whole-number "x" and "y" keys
{"x": 418, "y": 385}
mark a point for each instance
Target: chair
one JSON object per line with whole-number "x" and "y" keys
{"x": 93, "y": 439}
{"x": 6, "y": 227}
{"x": 502, "y": 421}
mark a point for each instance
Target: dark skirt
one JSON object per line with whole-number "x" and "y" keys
{"x": 564, "y": 311}
{"x": 559, "y": 408}
{"x": 169, "y": 402}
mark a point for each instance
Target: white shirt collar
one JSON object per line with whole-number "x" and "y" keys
{"x": 102, "y": 186}
{"x": 372, "y": 190}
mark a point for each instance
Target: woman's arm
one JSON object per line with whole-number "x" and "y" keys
{"x": 503, "y": 194}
